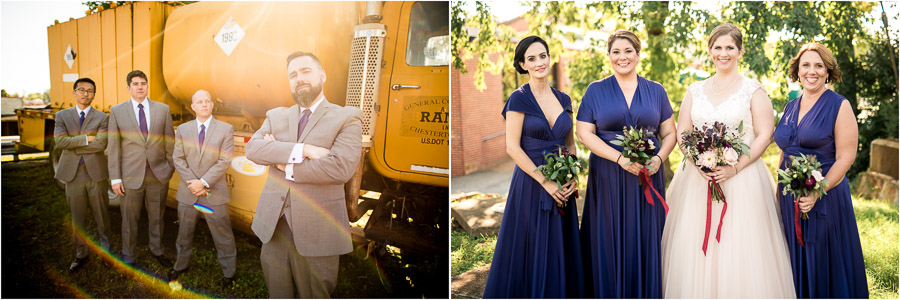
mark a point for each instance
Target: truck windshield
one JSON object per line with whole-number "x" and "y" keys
{"x": 428, "y": 43}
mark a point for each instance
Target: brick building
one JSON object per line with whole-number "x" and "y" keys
{"x": 477, "y": 129}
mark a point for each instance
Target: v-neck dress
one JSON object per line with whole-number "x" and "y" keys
{"x": 831, "y": 263}
{"x": 620, "y": 230}
{"x": 537, "y": 253}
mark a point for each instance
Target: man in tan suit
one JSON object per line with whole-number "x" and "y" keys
{"x": 81, "y": 134}
{"x": 313, "y": 148}
{"x": 203, "y": 150}
{"x": 141, "y": 139}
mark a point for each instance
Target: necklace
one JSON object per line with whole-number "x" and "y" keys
{"x": 730, "y": 86}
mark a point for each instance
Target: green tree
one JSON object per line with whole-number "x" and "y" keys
{"x": 675, "y": 35}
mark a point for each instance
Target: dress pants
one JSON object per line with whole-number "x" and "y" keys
{"x": 151, "y": 194}
{"x": 289, "y": 274}
{"x": 219, "y": 224}
{"x": 84, "y": 194}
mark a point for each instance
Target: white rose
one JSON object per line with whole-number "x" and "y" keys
{"x": 817, "y": 175}
{"x": 652, "y": 146}
{"x": 731, "y": 156}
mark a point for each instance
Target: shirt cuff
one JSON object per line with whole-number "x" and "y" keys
{"x": 204, "y": 182}
{"x": 86, "y": 140}
{"x": 114, "y": 181}
{"x": 289, "y": 172}
{"x": 296, "y": 154}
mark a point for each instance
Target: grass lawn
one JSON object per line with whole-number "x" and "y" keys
{"x": 37, "y": 250}
{"x": 468, "y": 253}
{"x": 879, "y": 231}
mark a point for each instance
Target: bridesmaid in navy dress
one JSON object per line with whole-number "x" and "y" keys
{"x": 821, "y": 122}
{"x": 538, "y": 254}
{"x": 620, "y": 229}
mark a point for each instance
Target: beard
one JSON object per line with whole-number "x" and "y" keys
{"x": 306, "y": 98}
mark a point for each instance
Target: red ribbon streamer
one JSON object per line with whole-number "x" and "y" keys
{"x": 644, "y": 178}
{"x": 709, "y": 196}
{"x": 797, "y": 228}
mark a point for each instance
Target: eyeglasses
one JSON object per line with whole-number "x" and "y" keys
{"x": 83, "y": 91}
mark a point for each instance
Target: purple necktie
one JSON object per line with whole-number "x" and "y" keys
{"x": 304, "y": 118}
{"x": 202, "y": 133}
{"x": 142, "y": 120}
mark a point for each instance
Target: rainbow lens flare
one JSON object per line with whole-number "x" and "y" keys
{"x": 203, "y": 208}
{"x": 175, "y": 285}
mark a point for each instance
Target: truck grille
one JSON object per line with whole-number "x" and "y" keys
{"x": 365, "y": 73}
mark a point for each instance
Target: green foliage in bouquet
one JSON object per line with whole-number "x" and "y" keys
{"x": 636, "y": 145}
{"x": 561, "y": 166}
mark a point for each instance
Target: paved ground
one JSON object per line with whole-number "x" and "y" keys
{"x": 493, "y": 180}
{"x": 481, "y": 215}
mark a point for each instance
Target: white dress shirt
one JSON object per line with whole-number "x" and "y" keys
{"x": 86, "y": 112}
{"x": 146, "y": 103}
{"x": 297, "y": 152}
{"x": 206, "y": 125}
{"x": 134, "y": 106}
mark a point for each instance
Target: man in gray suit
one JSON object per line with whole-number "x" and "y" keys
{"x": 81, "y": 134}
{"x": 141, "y": 139}
{"x": 203, "y": 150}
{"x": 301, "y": 217}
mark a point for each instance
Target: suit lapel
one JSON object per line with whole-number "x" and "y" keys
{"x": 136, "y": 127}
{"x": 75, "y": 129}
{"x": 315, "y": 117}
{"x": 88, "y": 118}
{"x": 293, "y": 121}
{"x": 156, "y": 125}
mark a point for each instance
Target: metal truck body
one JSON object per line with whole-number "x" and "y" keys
{"x": 390, "y": 59}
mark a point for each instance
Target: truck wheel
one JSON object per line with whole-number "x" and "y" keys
{"x": 54, "y": 164}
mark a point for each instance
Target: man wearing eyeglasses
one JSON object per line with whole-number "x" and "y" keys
{"x": 81, "y": 133}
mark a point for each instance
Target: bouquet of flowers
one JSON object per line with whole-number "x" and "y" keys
{"x": 710, "y": 147}
{"x": 803, "y": 177}
{"x": 561, "y": 168}
{"x": 638, "y": 148}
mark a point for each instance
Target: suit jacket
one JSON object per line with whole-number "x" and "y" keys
{"x": 129, "y": 153}
{"x": 318, "y": 212}
{"x": 70, "y": 137}
{"x": 208, "y": 161}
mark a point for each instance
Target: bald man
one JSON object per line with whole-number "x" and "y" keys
{"x": 203, "y": 150}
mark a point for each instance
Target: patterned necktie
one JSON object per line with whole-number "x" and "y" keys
{"x": 142, "y": 120}
{"x": 202, "y": 133}
{"x": 304, "y": 118}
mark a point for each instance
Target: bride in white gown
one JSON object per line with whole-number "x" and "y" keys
{"x": 750, "y": 260}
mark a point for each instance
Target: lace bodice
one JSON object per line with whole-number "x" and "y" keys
{"x": 731, "y": 111}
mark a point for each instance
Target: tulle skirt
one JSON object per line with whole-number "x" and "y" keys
{"x": 751, "y": 258}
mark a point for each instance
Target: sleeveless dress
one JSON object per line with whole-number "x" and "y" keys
{"x": 537, "y": 253}
{"x": 620, "y": 230}
{"x": 751, "y": 259}
{"x": 831, "y": 263}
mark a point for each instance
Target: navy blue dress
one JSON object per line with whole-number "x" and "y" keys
{"x": 831, "y": 264}
{"x": 538, "y": 254}
{"x": 620, "y": 231}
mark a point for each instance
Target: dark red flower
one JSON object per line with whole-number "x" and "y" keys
{"x": 810, "y": 182}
